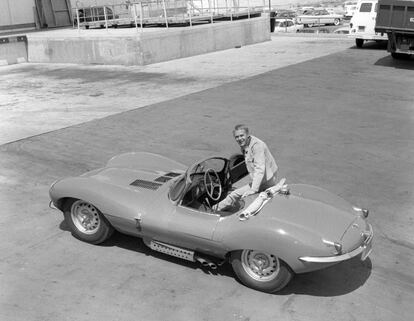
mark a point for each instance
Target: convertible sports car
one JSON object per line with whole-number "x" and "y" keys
{"x": 267, "y": 237}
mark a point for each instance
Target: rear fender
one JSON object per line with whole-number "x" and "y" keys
{"x": 288, "y": 246}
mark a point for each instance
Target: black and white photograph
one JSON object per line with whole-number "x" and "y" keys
{"x": 206, "y": 160}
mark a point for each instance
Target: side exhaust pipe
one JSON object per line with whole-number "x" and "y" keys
{"x": 206, "y": 263}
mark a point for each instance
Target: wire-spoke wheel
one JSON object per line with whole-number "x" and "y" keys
{"x": 260, "y": 266}
{"x": 86, "y": 222}
{"x": 261, "y": 271}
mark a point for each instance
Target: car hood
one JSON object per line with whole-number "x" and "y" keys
{"x": 141, "y": 181}
{"x": 312, "y": 210}
{"x": 139, "y": 172}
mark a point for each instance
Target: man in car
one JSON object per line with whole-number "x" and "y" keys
{"x": 260, "y": 164}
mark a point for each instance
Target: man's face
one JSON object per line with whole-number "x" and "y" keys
{"x": 241, "y": 137}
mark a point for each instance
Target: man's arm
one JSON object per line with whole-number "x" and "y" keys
{"x": 259, "y": 166}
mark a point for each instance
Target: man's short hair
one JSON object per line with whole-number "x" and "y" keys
{"x": 241, "y": 126}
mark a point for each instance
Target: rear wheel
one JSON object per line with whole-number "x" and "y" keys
{"x": 261, "y": 271}
{"x": 359, "y": 42}
{"x": 336, "y": 22}
{"x": 86, "y": 222}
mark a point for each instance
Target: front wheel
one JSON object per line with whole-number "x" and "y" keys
{"x": 86, "y": 222}
{"x": 336, "y": 22}
{"x": 359, "y": 42}
{"x": 260, "y": 271}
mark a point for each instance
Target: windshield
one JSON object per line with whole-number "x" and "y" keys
{"x": 195, "y": 173}
{"x": 199, "y": 168}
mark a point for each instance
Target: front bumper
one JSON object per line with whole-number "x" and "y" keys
{"x": 367, "y": 36}
{"x": 365, "y": 249}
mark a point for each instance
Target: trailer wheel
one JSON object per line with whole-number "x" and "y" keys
{"x": 359, "y": 42}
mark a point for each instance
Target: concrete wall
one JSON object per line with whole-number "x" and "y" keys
{"x": 129, "y": 47}
{"x": 13, "y": 49}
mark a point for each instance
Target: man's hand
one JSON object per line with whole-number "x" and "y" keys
{"x": 247, "y": 193}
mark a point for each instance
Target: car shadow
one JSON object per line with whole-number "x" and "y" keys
{"x": 373, "y": 45}
{"x": 388, "y": 61}
{"x": 136, "y": 244}
{"x": 337, "y": 280}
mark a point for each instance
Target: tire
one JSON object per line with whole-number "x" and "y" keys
{"x": 359, "y": 42}
{"x": 400, "y": 56}
{"x": 275, "y": 275}
{"x": 86, "y": 222}
{"x": 337, "y": 22}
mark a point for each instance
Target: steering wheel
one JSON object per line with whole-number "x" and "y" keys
{"x": 212, "y": 184}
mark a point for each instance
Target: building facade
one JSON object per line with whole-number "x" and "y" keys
{"x": 31, "y": 14}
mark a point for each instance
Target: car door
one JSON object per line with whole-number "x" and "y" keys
{"x": 192, "y": 229}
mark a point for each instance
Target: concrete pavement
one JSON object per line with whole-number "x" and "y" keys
{"x": 37, "y": 98}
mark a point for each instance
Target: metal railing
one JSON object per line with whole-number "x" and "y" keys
{"x": 166, "y": 12}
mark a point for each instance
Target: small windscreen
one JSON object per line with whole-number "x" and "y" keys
{"x": 365, "y": 7}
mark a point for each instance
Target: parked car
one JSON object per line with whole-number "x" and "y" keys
{"x": 350, "y": 9}
{"x": 287, "y": 25}
{"x": 267, "y": 238}
{"x": 286, "y": 14}
{"x": 318, "y": 17}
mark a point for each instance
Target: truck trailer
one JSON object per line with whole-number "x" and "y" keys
{"x": 396, "y": 19}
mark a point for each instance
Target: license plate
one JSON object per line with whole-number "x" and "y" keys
{"x": 366, "y": 252}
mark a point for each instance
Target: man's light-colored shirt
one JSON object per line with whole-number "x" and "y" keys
{"x": 259, "y": 162}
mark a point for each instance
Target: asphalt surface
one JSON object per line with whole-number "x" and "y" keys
{"x": 342, "y": 121}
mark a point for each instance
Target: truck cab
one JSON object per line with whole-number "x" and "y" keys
{"x": 362, "y": 24}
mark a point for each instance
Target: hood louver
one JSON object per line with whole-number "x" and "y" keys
{"x": 156, "y": 183}
{"x": 146, "y": 184}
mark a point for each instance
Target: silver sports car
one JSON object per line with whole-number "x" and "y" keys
{"x": 266, "y": 237}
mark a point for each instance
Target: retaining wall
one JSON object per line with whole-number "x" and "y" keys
{"x": 133, "y": 47}
{"x": 13, "y": 49}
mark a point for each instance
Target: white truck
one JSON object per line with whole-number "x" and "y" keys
{"x": 362, "y": 24}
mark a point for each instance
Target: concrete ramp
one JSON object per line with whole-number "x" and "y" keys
{"x": 133, "y": 46}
